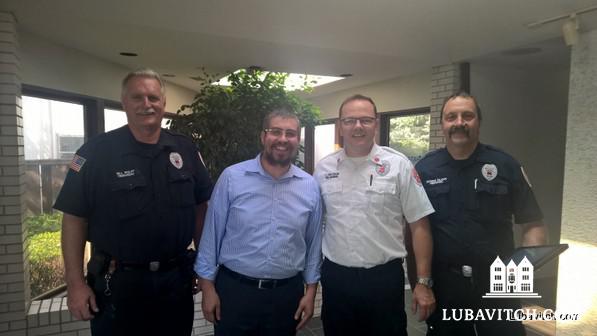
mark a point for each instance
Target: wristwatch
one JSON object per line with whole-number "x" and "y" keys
{"x": 428, "y": 282}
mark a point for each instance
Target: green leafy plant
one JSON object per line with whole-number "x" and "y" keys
{"x": 225, "y": 121}
{"x": 43, "y": 223}
{"x": 410, "y": 135}
{"x": 45, "y": 260}
{"x": 45, "y": 257}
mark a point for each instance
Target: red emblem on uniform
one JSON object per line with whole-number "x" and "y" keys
{"x": 416, "y": 176}
{"x": 383, "y": 168}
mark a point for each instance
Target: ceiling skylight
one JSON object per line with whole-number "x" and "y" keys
{"x": 294, "y": 81}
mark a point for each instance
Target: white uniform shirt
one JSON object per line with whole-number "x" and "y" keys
{"x": 366, "y": 202}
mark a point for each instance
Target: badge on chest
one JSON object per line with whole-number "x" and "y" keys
{"x": 176, "y": 160}
{"x": 489, "y": 171}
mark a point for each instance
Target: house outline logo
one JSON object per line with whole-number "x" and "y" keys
{"x": 511, "y": 280}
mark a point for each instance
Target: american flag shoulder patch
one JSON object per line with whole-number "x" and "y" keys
{"x": 77, "y": 163}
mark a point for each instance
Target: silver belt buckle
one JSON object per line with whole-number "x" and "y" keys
{"x": 259, "y": 284}
{"x": 154, "y": 266}
{"x": 467, "y": 271}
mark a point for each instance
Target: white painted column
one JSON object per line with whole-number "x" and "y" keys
{"x": 577, "y": 278}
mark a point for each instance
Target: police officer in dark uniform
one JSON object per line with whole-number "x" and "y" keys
{"x": 476, "y": 190}
{"x": 139, "y": 195}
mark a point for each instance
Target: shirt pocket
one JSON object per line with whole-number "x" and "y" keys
{"x": 331, "y": 192}
{"x": 130, "y": 195}
{"x": 439, "y": 196}
{"x": 491, "y": 201}
{"x": 181, "y": 187}
{"x": 382, "y": 196}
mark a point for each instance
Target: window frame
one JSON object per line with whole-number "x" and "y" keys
{"x": 384, "y": 121}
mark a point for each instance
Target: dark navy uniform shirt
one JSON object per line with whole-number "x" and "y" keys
{"x": 139, "y": 199}
{"x": 475, "y": 201}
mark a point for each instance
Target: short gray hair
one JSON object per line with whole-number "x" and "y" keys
{"x": 143, "y": 72}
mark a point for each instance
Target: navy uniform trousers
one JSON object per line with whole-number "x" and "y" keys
{"x": 142, "y": 302}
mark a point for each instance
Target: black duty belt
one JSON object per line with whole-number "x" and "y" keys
{"x": 460, "y": 269}
{"x": 256, "y": 282}
{"x": 152, "y": 266}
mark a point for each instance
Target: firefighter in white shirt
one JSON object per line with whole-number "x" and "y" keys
{"x": 369, "y": 193}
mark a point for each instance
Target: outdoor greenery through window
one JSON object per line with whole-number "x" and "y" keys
{"x": 52, "y": 131}
{"x": 410, "y": 135}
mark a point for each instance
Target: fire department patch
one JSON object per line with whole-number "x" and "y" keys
{"x": 383, "y": 169}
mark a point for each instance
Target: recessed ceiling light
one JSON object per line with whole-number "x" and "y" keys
{"x": 168, "y": 75}
{"x": 128, "y": 54}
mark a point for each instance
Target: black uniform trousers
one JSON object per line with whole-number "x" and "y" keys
{"x": 142, "y": 302}
{"x": 248, "y": 310}
{"x": 454, "y": 293}
{"x": 363, "y": 301}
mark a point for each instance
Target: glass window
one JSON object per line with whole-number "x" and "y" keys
{"x": 410, "y": 135}
{"x": 325, "y": 141}
{"x": 52, "y": 131}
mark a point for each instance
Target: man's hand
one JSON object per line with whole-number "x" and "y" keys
{"x": 211, "y": 301}
{"x": 306, "y": 306}
{"x": 423, "y": 301}
{"x": 304, "y": 311}
{"x": 81, "y": 301}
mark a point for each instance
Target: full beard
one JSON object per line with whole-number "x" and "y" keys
{"x": 282, "y": 162}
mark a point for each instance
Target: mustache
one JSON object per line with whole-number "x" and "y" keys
{"x": 147, "y": 112}
{"x": 459, "y": 129}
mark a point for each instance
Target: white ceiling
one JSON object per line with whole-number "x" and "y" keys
{"x": 373, "y": 40}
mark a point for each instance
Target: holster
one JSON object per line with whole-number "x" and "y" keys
{"x": 97, "y": 265}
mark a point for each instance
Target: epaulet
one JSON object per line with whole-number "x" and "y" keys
{"x": 172, "y": 133}
{"x": 390, "y": 150}
{"x": 431, "y": 153}
{"x": 331, "y": 154}
{"x": 98, "y": 139}
{"x": 501, "y": 152}
{"x": 496, "y": 149}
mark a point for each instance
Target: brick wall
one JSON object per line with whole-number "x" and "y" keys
{"x": 14, "y": 293}
{"x": 445, "y": 80}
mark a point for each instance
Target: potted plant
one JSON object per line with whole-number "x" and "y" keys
{"x": 225, "y": 121}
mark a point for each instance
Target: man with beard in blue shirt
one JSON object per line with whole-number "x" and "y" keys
{"x": 261, "y": 242}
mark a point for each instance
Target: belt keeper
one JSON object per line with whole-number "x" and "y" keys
{"x": 154, "y": 266}
{"x": 467, "y": 271}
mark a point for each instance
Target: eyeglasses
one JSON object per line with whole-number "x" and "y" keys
{"x": 278, "y": 132}
{"x": 365, "y": 121}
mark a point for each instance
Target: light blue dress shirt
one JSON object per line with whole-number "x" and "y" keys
{"x": 262, "y": 227}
